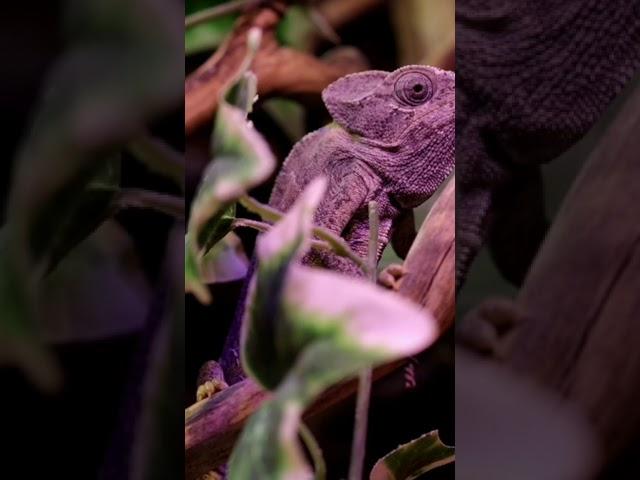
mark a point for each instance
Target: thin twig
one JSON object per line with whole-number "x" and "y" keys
{"x": 160, "y": 202}
{"x": 217, "y": 11}
{"x": 359, "y": 444}
{"x": 314, "y": 450}
{"x": 337, "y": 244}
{"x": 247, "y": 223}
{"x": 159, "y": 157}
{"x": 265, "y": 212}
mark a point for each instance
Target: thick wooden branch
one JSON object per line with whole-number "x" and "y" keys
{"x": 279, "y": 70}
{"x": 431, "y": 261}
{"x": 211, "y": 426}
{"x": 582, "y": 290}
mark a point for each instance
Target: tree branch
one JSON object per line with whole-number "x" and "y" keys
{"x": 279, "y": 70}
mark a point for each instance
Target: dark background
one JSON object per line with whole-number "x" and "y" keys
{"x": 69, "y": 434}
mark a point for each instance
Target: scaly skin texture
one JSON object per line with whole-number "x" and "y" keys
{"x": 533, "y": 77}
{"x": 392, "y": 141}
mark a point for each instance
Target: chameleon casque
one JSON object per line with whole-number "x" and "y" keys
{"x": 392, "y": 141}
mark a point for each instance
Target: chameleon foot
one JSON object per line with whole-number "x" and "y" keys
{"x": 391, "y": 275}
{"x": 218, "y": 474}
{"x": 210, "y": 380}
{"x": 486, "y": 329}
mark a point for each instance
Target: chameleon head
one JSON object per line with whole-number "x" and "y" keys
{"x": 404, "y": 126}
{"x": 386, "y": 106}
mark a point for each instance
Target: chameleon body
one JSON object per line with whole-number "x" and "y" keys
{"x": 392, "y": 141}
{"x": 533, "y": 77}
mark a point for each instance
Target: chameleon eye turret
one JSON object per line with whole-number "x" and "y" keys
{"x": 413, "y": 88}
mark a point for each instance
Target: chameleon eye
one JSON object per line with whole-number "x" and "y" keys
{"x": 413, "y": 88}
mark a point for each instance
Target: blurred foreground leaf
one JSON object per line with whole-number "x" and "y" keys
{"x": 413, "y": 459}
{"x": 241, "y": 159}
{"x": 117, "y": 73}
{"x": 306, "y": 329}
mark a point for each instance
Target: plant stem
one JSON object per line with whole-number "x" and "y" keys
{"x": 359, "y": 444}
{"x": 374, "y": 233}
{"x": 159, "y": 157}
{"x": 216, "y": 11}
{"x": 160, "y": 202}
{"x": 314, "y": 450}
{"x": 340, "y": 247}
{"x": 247, "y": 223}
{"x": 337, "y": 244}
{"x": 266, "y": 212}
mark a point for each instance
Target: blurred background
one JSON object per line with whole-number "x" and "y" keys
{"x": 85, "y": 302}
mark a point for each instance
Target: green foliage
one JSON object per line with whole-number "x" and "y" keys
{"x": 413, "y": 459}
{"x": 115, "y": 75}
{"x": 305, "y": 330}
{"x": 241, "y": 159}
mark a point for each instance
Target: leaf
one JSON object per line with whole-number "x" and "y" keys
{"x": 288, "y": 114}
{"x": 193, "y": 282}
{"x": 19, "y": 344}
{"x": 117, "y": 72}
{"x": 284, "y": 243}
{"x": 241, "y": 159}
{"x": 208, "y": 36}
{"x": 413, "y": 459}
{"x": 268, "y": 446}
{"x": 296, "y": 29}
{"x": 225, "y": 262}
{"x": 292, "y": 305}
{"x": 306, "y": 329}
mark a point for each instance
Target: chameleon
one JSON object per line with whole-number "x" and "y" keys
{"x": 393, "y": 141}
{"x": 533, "y": 77}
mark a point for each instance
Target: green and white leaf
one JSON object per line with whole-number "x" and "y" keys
{"x": 413, "y": 459}
{"x": 226, "y": 261}
{"x": 306, "y": 329}
{"x": 241, "y": 160}
{"x": 269, "y": 447}
{"x": 193, "y": 282}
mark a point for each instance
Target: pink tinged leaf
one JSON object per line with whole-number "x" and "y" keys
{"x": 373, "y": 317}
{"x": 296, "y": 225}
{"x": 413, "y": 459}
{"x": 225, "y": 262}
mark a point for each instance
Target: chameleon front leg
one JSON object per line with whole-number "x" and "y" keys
{"x": 344, "y": 212}
{"x": 403, "y": 234}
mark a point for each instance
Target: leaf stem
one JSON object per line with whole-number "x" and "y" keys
{"x": 247, "y": 223}
{"x": 314, "y": 450}
{"x": 337, "y": 244}
{"x": 266, "y": 212}
{"x": 159, "y": 157}
{"x": 160, "y": 202}
{"x": 359, "y": 444}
